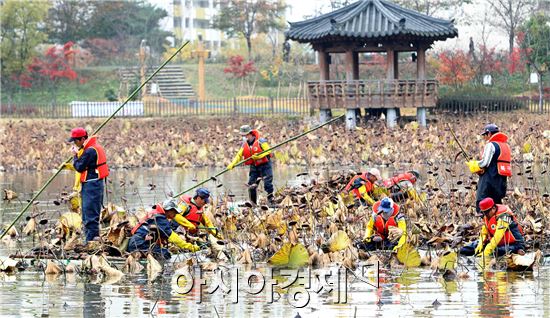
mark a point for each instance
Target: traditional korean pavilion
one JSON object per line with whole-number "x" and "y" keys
{"x": 372, "y": 26}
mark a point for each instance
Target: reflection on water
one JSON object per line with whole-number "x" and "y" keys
{"x": 497, "y": 294}
{"x": 411, "y": 293}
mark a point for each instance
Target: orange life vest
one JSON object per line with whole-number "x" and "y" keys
{"x": 388, "y": 183}
{"x": 380, "y": 225}
{"x": 158, "y": 210}
{"x": 255, "y": 149}
{"x": 193, "y": 214}
{"x": 102, "y": 168}
{"x": 368, "y": 185}
{"x": 491, "y": 225}
{"x": 504, "y": 167}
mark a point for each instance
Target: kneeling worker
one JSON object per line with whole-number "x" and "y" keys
{"x": 363, "y": 186}
{"x": 401, "y": 186}
{"x": 379, "y": 235}
{"x": 193, "y": 214}
{"x": 153, "y": 232}
{"x": 501, "y": 232}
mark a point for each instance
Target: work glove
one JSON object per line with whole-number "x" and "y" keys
{"x": 395, "y": 249}
{"x": 473, "y": 165}
{"x": 256, "y": 157}
{"x": 231, "y": 166}
{"x": 181, "y": 243}
{"x": 479, "y": 249}
{"x": 68, "y": 166}
{"x": 218, "y": 234}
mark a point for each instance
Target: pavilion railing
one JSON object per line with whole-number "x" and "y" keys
{"x": 372, "y": 94}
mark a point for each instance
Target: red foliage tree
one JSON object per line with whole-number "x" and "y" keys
{"x": 237, "y": 68}
{"x": 489, "y": 61}
{"x": 516, "y": 61}
{"x": 52, "y": 68}
{"x": 454, "y": 68}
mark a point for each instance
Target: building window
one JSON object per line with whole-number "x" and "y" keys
{"x": 201, "y": 23}
{"x": 201, "y": 3}
{"x": 177, "y": 22}
{"x": 186, "y": 22}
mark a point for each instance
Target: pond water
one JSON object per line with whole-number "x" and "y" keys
{"x": 415, "y": 293}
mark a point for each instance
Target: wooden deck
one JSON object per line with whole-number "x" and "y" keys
{"x": 372, "y": 94}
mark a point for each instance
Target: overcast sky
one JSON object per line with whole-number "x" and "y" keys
{"x": 469, "y": 21}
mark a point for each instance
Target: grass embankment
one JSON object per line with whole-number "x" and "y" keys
{"x": 98, "y": 80}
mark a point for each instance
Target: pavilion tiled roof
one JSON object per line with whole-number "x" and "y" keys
{"x": 371, "y": 20}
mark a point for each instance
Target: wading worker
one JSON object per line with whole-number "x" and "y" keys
{"x": 260, "y": 164}
{"x": 501, "y": 232}
{"x": 193, "y": 214}
{"x": 90, "y": 161}
{"x": 153, "y": 233}
{"x": 362, "y": 186}
{"x": 495, "y": 166}
{"x": 379, "y": 233}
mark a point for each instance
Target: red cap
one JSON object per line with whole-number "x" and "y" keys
{"x": 77, "y": 132}
{"x": 486, "y": 204}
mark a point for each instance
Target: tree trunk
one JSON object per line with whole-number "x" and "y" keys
{"x": 249, "y": 47}
{"x": 511, "y": 36}
{"x": 540, "y": 92}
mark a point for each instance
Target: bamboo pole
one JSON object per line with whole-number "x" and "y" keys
{"x": 60, "y": 168}
{"x": 270, "y": 149}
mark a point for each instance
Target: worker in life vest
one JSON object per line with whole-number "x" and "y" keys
{"x": 501, "y": 232}
{"x": 401, "y": 186}
{"x": 91, "y": 164}
{"x": 379, "y": 233}
{"x": 192, "y": 213}
{"x": 363, "y": 185}
{"x": 494, "y": 168}
{"x": 260, "y": 164}
{"x": 153, "y": 233}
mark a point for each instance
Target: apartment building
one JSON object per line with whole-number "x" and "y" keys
{"x": 193, "y": 18}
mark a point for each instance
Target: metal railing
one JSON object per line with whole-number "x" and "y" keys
{"x": 213, "y": 107}
{"x": 459, "y": 104}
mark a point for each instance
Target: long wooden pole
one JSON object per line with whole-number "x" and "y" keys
{"x": 134, "y": 93}
{"x": 272, "y": 148}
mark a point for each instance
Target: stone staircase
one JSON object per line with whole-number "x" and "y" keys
{"x": 170, "y": 80}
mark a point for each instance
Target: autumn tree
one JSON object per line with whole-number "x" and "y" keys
{"x": 509, "y": 15}
{"x": 20, "y": 34}
{"x": 53, "y": 68}
{"x": 238, "y": 68}
{"x": 454, "y": 68}
{"x": 535, "y": 44}
{"x": 250, "y": 17}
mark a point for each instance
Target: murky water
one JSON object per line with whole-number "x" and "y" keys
{"x": 413, "y": 293}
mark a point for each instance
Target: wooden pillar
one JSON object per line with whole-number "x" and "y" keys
{"x": 351, "y": 64}
{"x": 390, "y": 64}
{"x": 421, "y": 63}
{"x": 391, "y": 74}
{"x": 421, "y": 75}
{"x": 355, "y": 65}
{"x": 324, "y": 68}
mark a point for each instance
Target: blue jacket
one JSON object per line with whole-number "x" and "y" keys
{"x": 88, "y": 161}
